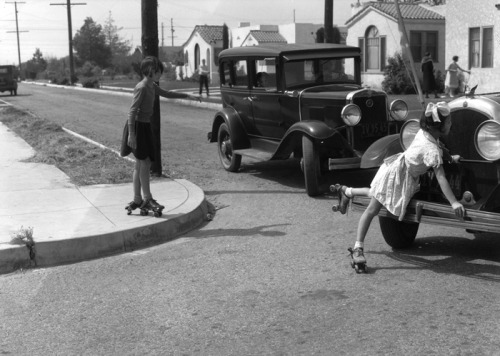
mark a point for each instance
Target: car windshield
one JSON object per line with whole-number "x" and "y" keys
{"x": 310, "y": 72}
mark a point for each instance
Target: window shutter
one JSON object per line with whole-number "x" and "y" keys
{"x": 382, "y": 53}
{"x": 361, "y": 44}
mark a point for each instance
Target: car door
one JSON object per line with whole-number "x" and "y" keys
{"x": 235, "y": 91}
{"x": 265, "y": 99}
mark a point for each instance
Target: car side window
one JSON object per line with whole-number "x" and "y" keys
{"x": 241, "y": 74}
{"x": 226, "y": 74}
{"x": 265, "y": 74}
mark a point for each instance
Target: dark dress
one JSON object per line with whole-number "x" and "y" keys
{"x": 429, "y": 85}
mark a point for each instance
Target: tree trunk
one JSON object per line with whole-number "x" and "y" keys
{"x": 149, "y": 39}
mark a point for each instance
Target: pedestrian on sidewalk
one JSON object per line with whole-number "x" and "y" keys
{"x": 397, "y": 180}
{"x": 137, "y": 136}
{"x": 203, "y": 72}
{"x": 429, "y": 84}
{"x": 451, "y": 83}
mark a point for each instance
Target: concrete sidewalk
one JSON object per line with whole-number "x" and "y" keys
{"x": 73, "y": 223}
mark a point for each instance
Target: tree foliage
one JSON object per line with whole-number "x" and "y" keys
{"x": 120, "y": 48}
{"x": 396, "y": 77}
{"x": 90, "y": 45}
{"x": 36, "y": 65}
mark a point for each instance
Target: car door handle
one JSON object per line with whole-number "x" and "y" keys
{"x": 251, "y": 98}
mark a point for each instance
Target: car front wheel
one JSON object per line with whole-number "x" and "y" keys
{"x": 311, "y": 166}
{"x": 398, "y": 234}
{"x": 230, "y": 161}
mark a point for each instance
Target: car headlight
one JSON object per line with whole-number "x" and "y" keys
{"x": 351, "y": 114}
{"x": 398, "y": 110}
{"x": 408, "y": 132}
{"x": 487, "y": 140}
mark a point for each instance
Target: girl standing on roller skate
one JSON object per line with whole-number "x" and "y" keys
{"x": 137, "y": 137}
{"x": 397, "y": 180}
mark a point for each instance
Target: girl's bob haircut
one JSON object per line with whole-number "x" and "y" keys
{"x": 150, "y": 65}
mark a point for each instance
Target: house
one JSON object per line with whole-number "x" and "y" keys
{"x": 374, "y": 28}
{"x": 205, "y": 42}
{"x": 257, "y": 37}
{"x": 472, "y": 34}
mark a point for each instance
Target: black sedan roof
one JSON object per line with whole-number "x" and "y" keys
{"x": 292, "y": 51}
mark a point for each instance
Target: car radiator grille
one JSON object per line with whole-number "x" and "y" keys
{"x": 374, "y": 124}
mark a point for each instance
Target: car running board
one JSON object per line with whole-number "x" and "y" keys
{"x": 255, "y": 153}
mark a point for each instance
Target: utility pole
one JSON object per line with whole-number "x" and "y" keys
{"x": 149, "y": 41}
{"x": 70, "y": 35}
{"x": 17, "y": 31}
{"x": 162, "y": 34}
{"x": 172, "y": 30}
{"x": 328, "y": 21}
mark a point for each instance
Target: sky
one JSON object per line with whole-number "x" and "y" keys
{"x": 45, "y": 26}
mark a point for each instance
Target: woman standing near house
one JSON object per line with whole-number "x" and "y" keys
{"x": 451, "y": 81}
{"x": 428, "y": 76}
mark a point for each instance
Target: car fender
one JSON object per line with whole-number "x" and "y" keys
{"x": 378, "y": 151}
{"x": 229, "y": 116}
{"x": 317, "y": 130}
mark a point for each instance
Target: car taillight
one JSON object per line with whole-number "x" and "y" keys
{"x": 487, "y": 140}
{"x": 351, "y": 114}
{"x": 398, "y": 110}
{"x": 408, "y": 132}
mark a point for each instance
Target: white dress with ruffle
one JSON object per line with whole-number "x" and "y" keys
{"x": 397, "y": 180}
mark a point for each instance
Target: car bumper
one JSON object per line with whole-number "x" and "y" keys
{"x": 419, "y": 211}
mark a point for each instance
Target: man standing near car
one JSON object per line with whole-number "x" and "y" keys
{"x": 203, "y": 72}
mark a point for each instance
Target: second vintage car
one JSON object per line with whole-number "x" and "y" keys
{"x": 475, "y": 180}
{"x": 302, "y": 101}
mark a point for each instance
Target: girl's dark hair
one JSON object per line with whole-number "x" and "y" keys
{"x": 427, "y": 122}
{"x": 455, "y": 58}
{"x": 151, "y": 65}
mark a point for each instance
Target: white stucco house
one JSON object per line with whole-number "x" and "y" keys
{"x": 374, "y": 28}
{"x": 472, "y": 34}
{"x": 205, "y": 43}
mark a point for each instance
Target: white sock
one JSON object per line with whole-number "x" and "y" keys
{"x": 348, "y": 192}
{"x": 358, "y": 244}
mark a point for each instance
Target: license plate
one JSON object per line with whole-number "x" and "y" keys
{"x": 376, "y": 129}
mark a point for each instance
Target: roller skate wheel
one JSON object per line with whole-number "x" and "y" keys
{"x": 352, "y": 264}
{"x": 129, "y": 211}
{"x": 144, "y": 212}
{"x": 357, "y": 269}
{"x": 335, "y": 208}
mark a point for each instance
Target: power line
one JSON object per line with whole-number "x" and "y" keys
{"x": 70, "y": 33}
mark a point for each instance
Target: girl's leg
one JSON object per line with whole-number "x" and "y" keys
{"x": 364, "y": 223}
{"x": 137, "y": 182}
{"x": 144, "y": 174}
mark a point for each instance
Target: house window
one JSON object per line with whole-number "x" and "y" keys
{"x": 481, "y": 47}
{"x": 372, "y": 50}
{"x": 422, "y": 42}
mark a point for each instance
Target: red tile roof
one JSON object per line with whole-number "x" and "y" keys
{"x": 267, "y": 36}
{"x": 209, "y": 33}
{"x": 408, "y": 11}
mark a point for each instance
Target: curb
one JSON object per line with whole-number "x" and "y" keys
{"x": 187, "y": 217}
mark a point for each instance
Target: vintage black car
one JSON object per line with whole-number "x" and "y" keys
{"x": 302, "y": 101}
{"x": 475, "y": 181}
{"x": 8, "y": 81}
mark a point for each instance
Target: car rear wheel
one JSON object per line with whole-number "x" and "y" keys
{"x": 311, "y": 166}
{"x": 398, "y": 234}
{"x": 230, "y": 161}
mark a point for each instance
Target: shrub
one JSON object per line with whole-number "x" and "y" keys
{"x": 90, "y": 83}
{"x": 396, "y": 77}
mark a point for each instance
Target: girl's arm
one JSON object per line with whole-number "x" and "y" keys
{"x": 172, "y": 94}
{"x": 134, "y": 109}
{"x": 463, "y": 70}
{"x": 445, "y": 187}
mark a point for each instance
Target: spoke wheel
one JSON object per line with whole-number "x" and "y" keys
{"x": 230, "y": 161}
{"x": 311, "y": 166}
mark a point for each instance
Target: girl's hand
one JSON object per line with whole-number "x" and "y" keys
{"x": 459, "y": 209}
{"x": 455, "y": 158}
{"x": 132, "y": 142}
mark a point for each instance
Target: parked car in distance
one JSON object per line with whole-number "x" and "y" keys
{"x": 302, "y": 101}
{"x": 475, "y": 180}
{"x": 8, "y": 79}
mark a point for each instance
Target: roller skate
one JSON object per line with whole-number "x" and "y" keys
{"x": 132, "y": 206}
{"x": 343, "y": 200}
{"x": 153, "y": 205}
{"x": 358, "y": 259}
